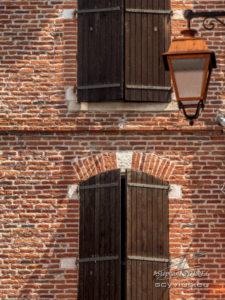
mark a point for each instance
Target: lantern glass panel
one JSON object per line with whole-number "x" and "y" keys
{"x": 189, "y": 74}
{"x": 190, "y": 103}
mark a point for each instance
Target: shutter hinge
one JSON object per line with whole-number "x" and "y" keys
{"x": 149, "y": 87}
{"x": 142, "y": 258}
{"x": 95, "y": 259}
{"x": 98, "y": 86}
{"x": 149, "y": 11}
{"x": 96, "y": 10}
{"x": 97, "y": 186}
{"x": 150, "y": 186}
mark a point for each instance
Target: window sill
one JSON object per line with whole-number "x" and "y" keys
{"x": 73, "y": 106}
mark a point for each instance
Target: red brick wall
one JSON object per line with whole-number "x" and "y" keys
{"x": 39, "y": 224}
{"x": 38, "y": 61}
{"x": 39, "y": 141}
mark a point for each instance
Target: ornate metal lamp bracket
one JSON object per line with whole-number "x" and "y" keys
{"x": 190, "y": 14}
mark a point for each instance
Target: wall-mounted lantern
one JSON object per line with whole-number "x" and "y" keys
{"x": 190, "y": 63}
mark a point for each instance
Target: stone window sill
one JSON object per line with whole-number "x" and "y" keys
{"x": 74, "y": 106}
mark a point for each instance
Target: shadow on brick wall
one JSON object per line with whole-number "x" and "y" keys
{"x": 40, "y": 224}
{"x": 38, "y": 52}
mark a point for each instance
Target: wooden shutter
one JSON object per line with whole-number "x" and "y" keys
{"x": 100, "y": 50}
{"x": 147, "y": 236}
{"x": 147, "y": 35}
{"x": 99, "y": 245}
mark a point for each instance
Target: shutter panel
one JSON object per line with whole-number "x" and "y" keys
{"x": 99, "y": 50}
{"x": 147, "y": 35}
{"x": 147, "y": 236}
{"x": 99, "y": 245}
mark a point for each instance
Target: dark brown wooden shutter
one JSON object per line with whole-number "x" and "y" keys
{"x": 147, "y": 35}
{"x": 100, "y": 49}
{"x": 99, "y": 245}
{"x": 147, "y": 236}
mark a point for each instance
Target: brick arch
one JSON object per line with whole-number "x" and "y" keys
{"x": 149, "y": 163}
{"x": 153, "y": 164}
{"x": 93, "y": 165}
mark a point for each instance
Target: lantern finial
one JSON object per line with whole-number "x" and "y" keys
{"x": 189, "y": 33}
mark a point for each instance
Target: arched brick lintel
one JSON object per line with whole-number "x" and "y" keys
{"x": 153, "y": 164}
{"x": 149, "y": 163}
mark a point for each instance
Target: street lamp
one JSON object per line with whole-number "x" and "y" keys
{"x": 190, "y": 64}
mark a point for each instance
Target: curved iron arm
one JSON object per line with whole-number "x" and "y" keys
{"x": 190, "y": 14}
{"x": 195, "y": 116}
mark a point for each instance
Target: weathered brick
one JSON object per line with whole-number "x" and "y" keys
{"x": 44, "y": 149}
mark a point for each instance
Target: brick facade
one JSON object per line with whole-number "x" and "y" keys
{"x": 45, "y": 149}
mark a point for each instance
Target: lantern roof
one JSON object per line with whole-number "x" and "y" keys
{"x": 188, "y": 44}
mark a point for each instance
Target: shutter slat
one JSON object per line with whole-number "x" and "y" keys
{"x": 96, "y": 197}
{"x": 147, "y": 235}
{"x": 155, "y": 54}
{"x": 103, "y": 241}
{"x": 166, "y": 237}
{"x": 147, "y": 36}
{"x": 141, "y": 233}
{"x": 99, "y": 245}
{"x": 144, "y": 53}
